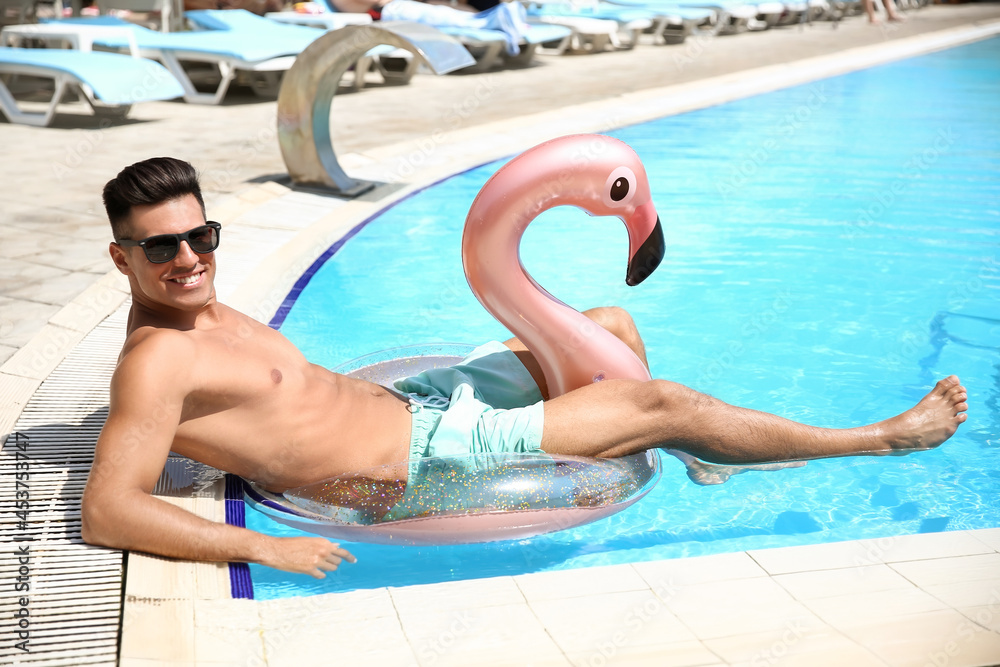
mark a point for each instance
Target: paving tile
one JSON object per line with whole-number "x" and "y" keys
{"x": 859, "y": 609}
{"x": 56, "y": 290}
{"x": 156, "y": 577}
{"x": 15, "y": 274}
{"x": 934, "y": 638}
{"x": 744, "y": 618}
{"x": 371, "y": 641}
{"x": 792, "y": 646}
{"x": 967, "y": 593}
{"x": 227, "y": 630}
{"x": 18, "y": 243}
{"x": 43, "y": 352}
{"x": 987, "y": 616}
{"x": 21, "y": 319}
{"x": 456, "y": 595}
{"x": 755, "y": 591}
{"x": 845, "y": 581}
{"x": 814, "y": 557}
{"x": 579, "y": 582}
{"x": 158, "y": 629}
{"x": 86, "y": 257}
{"x": 597, "y": 623}
{"x": 740, "y": 606}
{"x": 329, "y": 608}
{"x": 680, "y": 654}
{"x": 990, "y": 537}
{"x": 6, "y": 352}
{"x": 505, "y": 633}
{"x": 926, "y": 573}
{"x": 689, "y": 571}
{"x": 90, "y": 308}
{"x": 925, "y": 546}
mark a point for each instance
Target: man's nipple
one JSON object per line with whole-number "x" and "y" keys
{"x": 275, "y": 376}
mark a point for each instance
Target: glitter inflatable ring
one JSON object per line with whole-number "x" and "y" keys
{"x": 495, "y": 497}
{"x": 455, "y": 500}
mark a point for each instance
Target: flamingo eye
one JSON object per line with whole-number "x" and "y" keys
{"x": 619, "y": 188}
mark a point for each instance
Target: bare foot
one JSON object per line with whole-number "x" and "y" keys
{"x": 896, "y": 18}
{"x": 931, "y": 421}
{"x": 706, "y": 474}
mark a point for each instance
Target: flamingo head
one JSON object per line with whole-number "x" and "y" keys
{"x": 604, "y": 177}
{"x": 623, "y": 189}
{"x": 599, "y": 174}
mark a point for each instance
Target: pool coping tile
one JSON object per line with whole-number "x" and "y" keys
{"x": 574, "y": 583}
{"x": 451, "y": 595}
{"x": 503, "y": 632}
{"x": 609, "y": 621}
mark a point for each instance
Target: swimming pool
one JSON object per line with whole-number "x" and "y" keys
{"x": 832, "y": 250}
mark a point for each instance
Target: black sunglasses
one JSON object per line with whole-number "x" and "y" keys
{"x": 163, "y": 247}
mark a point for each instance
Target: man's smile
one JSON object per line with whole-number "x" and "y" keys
{"x": 189, "y": 279}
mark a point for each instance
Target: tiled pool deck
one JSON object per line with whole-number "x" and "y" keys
{"x": 919, "y": 600}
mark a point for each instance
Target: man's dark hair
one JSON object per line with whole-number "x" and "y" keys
{"x": 147, "y": 183}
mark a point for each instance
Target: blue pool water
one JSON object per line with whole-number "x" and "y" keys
{"x": 832, "y": 250}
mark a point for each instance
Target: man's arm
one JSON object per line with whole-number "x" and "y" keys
{"x": 118, "y": 508}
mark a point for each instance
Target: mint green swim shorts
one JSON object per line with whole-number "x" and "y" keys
{"x": 486, "y": 403}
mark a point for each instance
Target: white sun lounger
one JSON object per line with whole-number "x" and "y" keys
{"x": 110, "y": 82}
{"x": 595, "y": 25}
{"x": 228, "y": 50}
{"x": 397, "y": 66}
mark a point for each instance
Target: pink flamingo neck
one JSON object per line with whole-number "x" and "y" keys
{"x": 571, "y": 349}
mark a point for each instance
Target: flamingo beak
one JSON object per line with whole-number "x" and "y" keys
{"x": 647, "y": 249}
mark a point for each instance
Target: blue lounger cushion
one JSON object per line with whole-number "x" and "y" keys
{"x": 229, "y": 50}
{"x": 232, "y": 44}
{"x": 114, "y": 79}
{"x": 251, "y": 24}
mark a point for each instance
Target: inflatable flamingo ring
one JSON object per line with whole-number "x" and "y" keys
{"x": 491, "y": 497}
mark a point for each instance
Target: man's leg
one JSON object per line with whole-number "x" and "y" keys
{"x": 619, "y": 417}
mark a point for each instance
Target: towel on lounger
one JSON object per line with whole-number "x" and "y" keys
{"x": 507, "y": 17}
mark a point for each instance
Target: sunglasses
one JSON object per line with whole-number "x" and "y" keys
{"x": 163, "y": 247}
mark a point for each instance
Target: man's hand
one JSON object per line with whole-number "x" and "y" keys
{"x": 305, "y": 555}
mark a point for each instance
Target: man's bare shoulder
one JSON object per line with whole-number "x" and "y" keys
{"x": 154, "y": 358}
{"x": 148, "y": 341}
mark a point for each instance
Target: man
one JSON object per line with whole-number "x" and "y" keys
{"x": 200, "y": 379}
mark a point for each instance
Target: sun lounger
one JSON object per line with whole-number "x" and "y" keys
{"x": 672, "y": 22}
{"x": 397, "y": 66}
{"x": 231, "y": 51}
{"x": 595, "y": 25}
{"x": 110, "y": 82}
{"x": 487, "y": 45}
